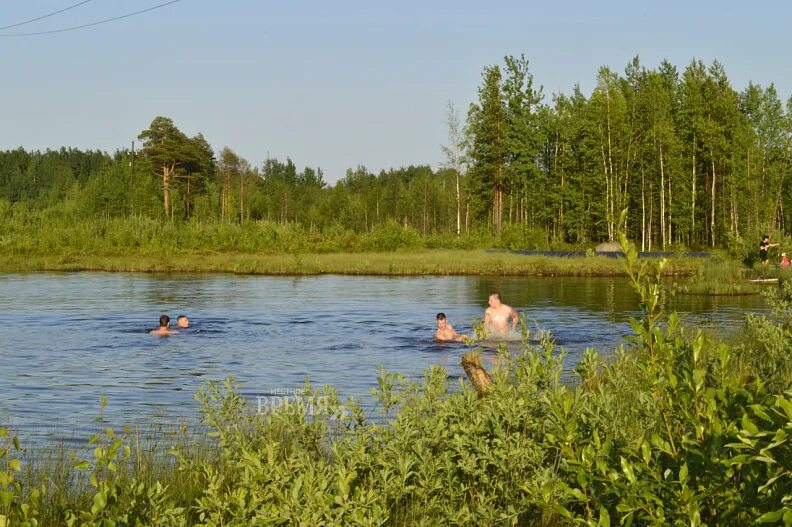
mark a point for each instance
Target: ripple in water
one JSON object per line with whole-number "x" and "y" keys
{"x": 68, "y": 340}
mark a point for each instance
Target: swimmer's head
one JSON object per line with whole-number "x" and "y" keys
{"x": 494, "y": 300}
{"x": 441, "y": 320}
{"x": 182, "y": 321}
{"x": 164, "y": 321}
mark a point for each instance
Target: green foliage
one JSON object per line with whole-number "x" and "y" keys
{"x": 120, "y": 501}
{"x": 712, "y": 447}
{"x": 517, "y": 237}
{"x": 719, "y": 276}
{"x": 765, "y": 346}
{"x": 18, "y": 506}
{"x": 390, "y": 237}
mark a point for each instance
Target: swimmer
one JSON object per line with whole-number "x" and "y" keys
{"x": 163, "y": 327}
{"x": 496, "y": 317}
{"x": 182, "y": 322}
{"x": 446, "y": 333}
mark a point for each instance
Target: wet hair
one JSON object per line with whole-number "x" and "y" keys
{"x": 441, "y": 316}
{"x": 497, "y": 295}
{"x": 164, "y": 321}
{"x": 180, "y": 317}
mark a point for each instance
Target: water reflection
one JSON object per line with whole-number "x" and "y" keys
{"x": 68, "y": 339}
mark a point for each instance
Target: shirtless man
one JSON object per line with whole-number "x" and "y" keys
{"x": 496, "y": 317}
{"x": 163, "y": 327}
{"x": 446, "y": 333}
{"x": 182, "y": 322}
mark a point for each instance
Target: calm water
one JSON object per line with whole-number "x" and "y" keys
{"x": 68, "y": 339}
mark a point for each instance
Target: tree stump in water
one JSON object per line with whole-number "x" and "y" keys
{"x": 481, "y": 380}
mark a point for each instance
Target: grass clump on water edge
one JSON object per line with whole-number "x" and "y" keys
{"x": 677, "y": 429}
{"x": 719, "y": 276}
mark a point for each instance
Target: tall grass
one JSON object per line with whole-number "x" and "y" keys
{"x": 720, "y": 276}
{"x": 34, "y": 240}
{"x": 34, "y": 233}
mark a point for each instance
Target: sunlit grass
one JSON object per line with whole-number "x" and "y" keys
{"x": 407, "y": 263}
{"x": 719, "y": 276}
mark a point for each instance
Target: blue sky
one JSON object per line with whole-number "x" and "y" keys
{"x": 345, "y": 83}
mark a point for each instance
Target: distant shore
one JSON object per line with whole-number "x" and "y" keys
{"x": 408, "y": 263}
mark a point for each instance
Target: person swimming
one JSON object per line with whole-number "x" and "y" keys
{"x": 182, "y": 322}
{"x": 164, "y": 329}
{"x": 497, "y": 315}
{"x": 445, "y": 332}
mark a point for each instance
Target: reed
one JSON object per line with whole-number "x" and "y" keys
{"x": 721, "y": 276}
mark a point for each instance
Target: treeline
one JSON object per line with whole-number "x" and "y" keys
{"x": 201, "y": 187}
{"x": 695, "y": 162}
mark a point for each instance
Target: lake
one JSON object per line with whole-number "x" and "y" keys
{"x": 68, "y": 339}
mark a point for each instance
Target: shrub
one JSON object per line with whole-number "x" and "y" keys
{"x": 521, "y": 237}
{"x": 391, "y": 237}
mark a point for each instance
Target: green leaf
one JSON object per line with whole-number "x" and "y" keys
{"x": 628, "y": 470}
{"x": 604, "y": 519}
{"x": 770, "y": 517}
{"x": 646, "y": 452}
{"x": 99, "y": 502}
{"x": 683, "y": 473}
{"x": 748, "y": 425}
{"x": 695, "y": 519}
{"x": 786, "y": 405}
{"x": 699, "y": 374}
{"x": 760, "y": 412}
{"x": 5, "y": 497}
{"x": 577, "y": 493}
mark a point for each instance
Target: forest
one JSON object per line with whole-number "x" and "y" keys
{"x": 695, "y": 162}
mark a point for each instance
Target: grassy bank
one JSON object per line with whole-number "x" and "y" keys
{"x": 33, "y": 240}
{"x": 414, "y": 263}
{"x": 676, "y": 430}
{"x": 721, "y": 277}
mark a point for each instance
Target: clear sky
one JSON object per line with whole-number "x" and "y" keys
{"x": 337, "y": 84}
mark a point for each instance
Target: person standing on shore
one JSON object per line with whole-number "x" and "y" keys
{"x": 764, "y": 247}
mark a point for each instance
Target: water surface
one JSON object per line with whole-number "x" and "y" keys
{"x": 66, "y": 339}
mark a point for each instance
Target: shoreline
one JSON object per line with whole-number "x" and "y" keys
{"x": 414, "y": 263}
